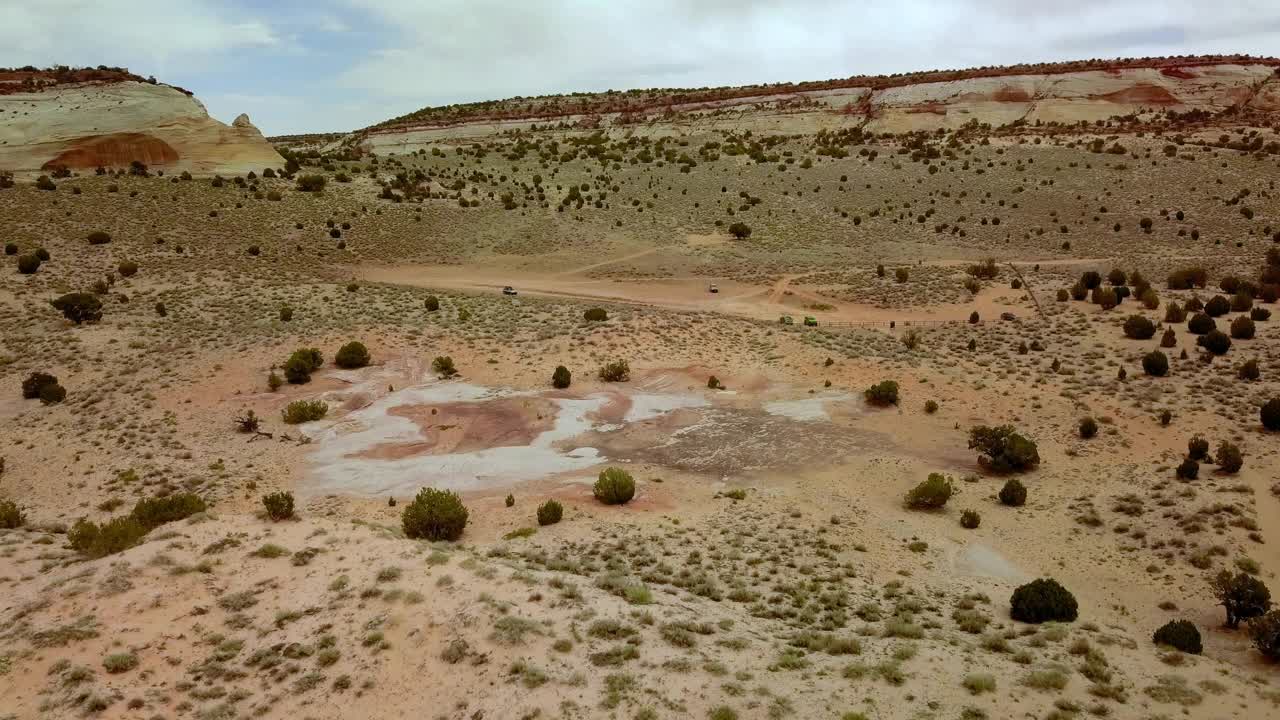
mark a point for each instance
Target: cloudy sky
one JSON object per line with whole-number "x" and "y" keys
{"x": 326, "y": 65}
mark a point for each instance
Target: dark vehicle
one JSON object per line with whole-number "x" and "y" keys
{"x": 508, "y": 290}
{"x": 1008, "y": 316}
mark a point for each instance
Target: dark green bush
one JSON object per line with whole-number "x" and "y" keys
{"x": 1200, "y": 323}
{"x": 1139, "y": 328}
{"x": 931, "y": 407}
{"x": 1259, "y": 314}
{"x": 1197, "y": 448}
{"x": 1002, "y": 449}
{"x": 595, "y": 315}
{"x": 1042, "y": 600}
{"x": 550, "y": 512}
{"x": 128, "y": 268}
{"x": 739, "y": 230}
{"x": 1217, "y": 306}
{"x": 286, "y": 313}
{"x": 443, "y": 366}
{"x": 99, "y": 238}
{"x": 1270, "y": 413}
{"x": 432, "y": 303}
{"x": 1265, "y": 633}
{"x": 1215, "y": 341}
{"x": 113, "y": 536}
{"x": 32, "y": 385}
{"x": 52, "y": 394}
{"x": 617, "y": 371}
{"x": 151, "y": 513}
{"x": 311, "y": 183}
{"x": 1173, "y": 313}
{"x": 1155, "y": 364}
{"x": 561, "y": 378}
{"x": 1180, "y": 635}
{"x": 1242, "y": 595}
{"x": 1169, "y": 338}
{"x": 79, "y": 307}
{"x": 352, "y": 355}
{"x": 1088, "y": 428}
{"x": 1249, "y": 370}
{"x": 1188, "y": 469}
{"x": 1014, "y": 493}
{"x": 279, "y": 505}
{"x": 882, "y": 394}
{"x": 300, "y": 365}
{"x": 301, "y": 411}
{"x": 614, "y": 486}
{"x": 1242, "y": 328}
{"x": 434, "y": 515}
{"x": 1228, "y": 457}
{"x": 970, "y": 519}
{"x": 11, "y": 516}
{"x": 28, "y": 264}
{"x": 931, "y": 494}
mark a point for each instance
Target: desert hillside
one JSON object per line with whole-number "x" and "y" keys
{"x": 1063, "y": 94}
{"x": 82, "y": 121}
{"x": 731, "y": 414}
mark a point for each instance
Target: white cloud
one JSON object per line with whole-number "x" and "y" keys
{"x": 156, "y": 34}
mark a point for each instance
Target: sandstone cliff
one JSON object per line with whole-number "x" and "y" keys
{"x": 1078, "y": 92}
{"x": 83, "y": 125}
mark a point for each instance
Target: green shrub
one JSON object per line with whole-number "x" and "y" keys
{"x": 882, "y": 394}
{"x": 1169, "y": 338}
{"x": 99, "y": 238}
{"x": 1014, "y": 493}
{"x": 617, "y": 371}
{"x": 1042, "y": 600}
{"x": 1199, "y": 324}
{"x": 1228, "y": 457}
{"x": 1249, "y": 370}
{"x": 739, "y": 230}
{"x": 1179, "y": 634}
{"x": 128, "y": 268}
{"x": 11, "y": 516}
{"x": 930, "y": 407}
{"x": 970, "y": 519}
{"x": 432, "y": 303}
{"x": 550, "y": 512}
{"x": 1188, "y": 469}
{"x": 1242, "y": 328}
{"x": 1217, "y": 306}
{"x": 614, "y": 486}
{"x": 1138, "y": 327}
{"x": 1002, "y": 449}
{"x": 151, "y": 513}
{"x": 300, "y": 365}
{"x": 931, "y": 494}
{"x": 286, "y": 313}
{"x": 1260, "y": 314}
{"x": 561, "y": 378}
{"x": 79, "y": 307}
{"x": 434, "y": 515}
{"x": 301, "y": 411}
{"x": 1174, "y": 313}
{"x": 443, "y": 366}
{"x": 113, "y": 536}
{"x": 595, "y": 315}
{"x": 1197, "y": 448}
{"x": 352, "y": 355}
{"x": 34, "y": 382}
{"x": 1265, "y": 633}
{"x": 1155, "y": 364}
{"x": 311, "y": 183}
{"x": 1215, "y": 341}
{"x": 52, "y": 394}
{"x": 1270, "y": 413}
{"x": 28, "y": 264}
{"x": 279, "y": 505}
{"x": 1088, "y": 428}
{"x": 1242, "y": 595}
{"x": 120, "y": 662}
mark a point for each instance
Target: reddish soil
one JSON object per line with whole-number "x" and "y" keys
{"x": 467, "y": 427}
{"x": 1011, "y": 94}
{"x": 116, "y": 150}
{"x": 1177, "y": 72}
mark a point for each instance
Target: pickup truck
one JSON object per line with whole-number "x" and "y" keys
{"x": 508, "y": 290}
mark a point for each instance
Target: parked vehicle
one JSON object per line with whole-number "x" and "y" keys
{"x": 712, "y": 288}
{"x": 508, "y": 290}
{"x": 810, "y": 321}
{"x": 1008, "y": 316}
{"x": 787, "y": 320}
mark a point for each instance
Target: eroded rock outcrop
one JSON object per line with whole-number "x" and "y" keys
{"x": 84, "y": 125}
